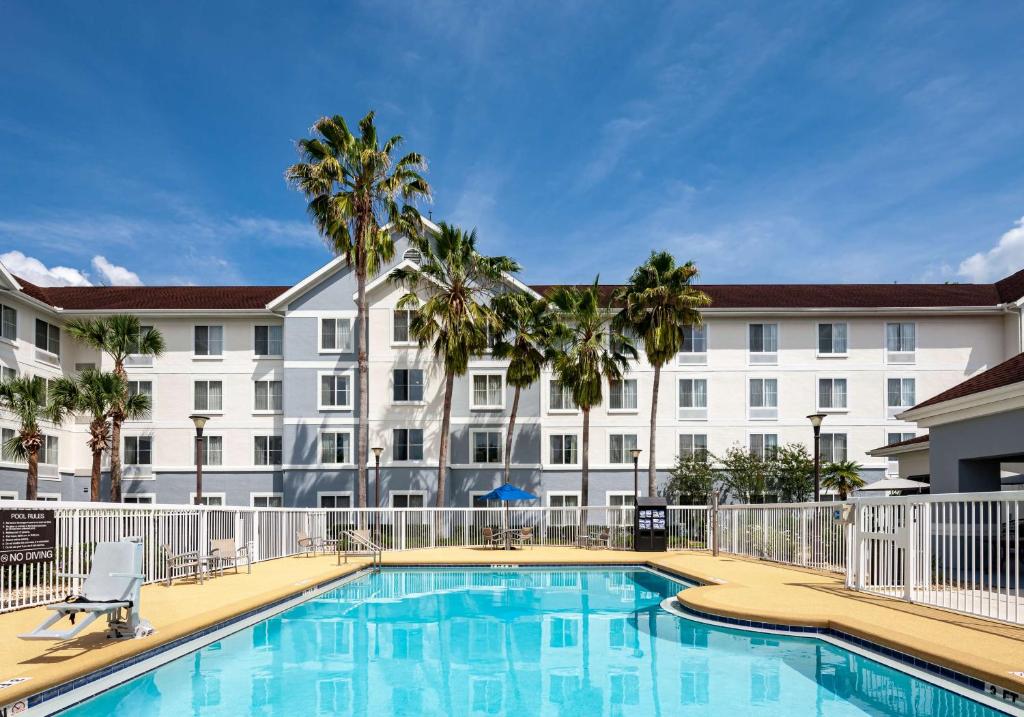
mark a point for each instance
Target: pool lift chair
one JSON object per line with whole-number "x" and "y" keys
{"x": 111, "y": 589}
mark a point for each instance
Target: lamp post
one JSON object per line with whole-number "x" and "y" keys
{"x": 816, "y": 419}
{"x": 199, "y": 422}
{"x": 635, "y": 452}
{"x": 377, "y": 450}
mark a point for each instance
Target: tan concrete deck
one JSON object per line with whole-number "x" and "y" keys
{"x": 743, "y": 588}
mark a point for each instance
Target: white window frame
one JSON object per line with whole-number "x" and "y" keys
{"x": 692, "y": 434}
{"x": 264, "y": 357}
{"x": 423, "y": 386}
{"x": 624, "y": 380}
{"x": 900, "y": 357}
{"x": 423, "y": 445}
{"x": 13, "y": 340}
{"x": 763, "y": 413}
{"x": 150, "y": 496}
{"x": 209, "y": 494}
{"x": 350, "y": 374}
{"x": 336, "y": 315}
{"x": 547, "y": 400}
{"x": 627, "y": 460}
{"x": 208, "y": 411}
{"x": 335, "y": 494}
{"x": 209, "y": 357}
{"x": 393, "y": 493}
{"x": 43, "y": 356}
{"x": 151, "y": 380}
{"x": 264, "y": 434}
{"x": 564, "y": 518}
{"x": 763, "y": 358}
{"x": 207, "y": 436}
{"x": 139, "y": 471}
{"x": 8, "y": 495}
{"x": 846, "y": 435}
{"x": 778, "y": 441}
{"x": 473, "y": 375}
{"x": 320, "y": 448}
{"x": 695, "y": 358}
{"x": 501, "y": 447}
{"x": 4, "y": 369}
{"x": 267, "y": 411}
{"x": 562, "y": 493}
{"x": 391, "y": 329}
{"x": 14, "y": 461}
{"x": 892, "y": 411}
{"x": 53, "y": 497}
{"x": 625, "y": 493}
{"x": 554, "y": 433}
{"x": 49, "y": 471}
{"x": 695, "y": 413}
{"x": 265, "y": 494}
{"x": 474, "y": 494}
{"x": 817, "y": 340}
{"x": 817, "y": 394}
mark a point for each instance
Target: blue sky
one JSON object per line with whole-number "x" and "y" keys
{"x": 769, "y": 142}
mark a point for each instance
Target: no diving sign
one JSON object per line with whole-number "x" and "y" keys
{"x": 27, "y": 536}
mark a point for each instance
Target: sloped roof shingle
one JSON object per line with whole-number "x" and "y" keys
{"x": 1004, "y": 374}
{"x": 138, "y": 298}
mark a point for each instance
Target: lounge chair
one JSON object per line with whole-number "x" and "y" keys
{"x": 226, "y": 553}
{"x": 182, "y": 565}
{"x": 524, "y": 536}
{"x": 490, "y": 538}
{"x": 111, "y": 589}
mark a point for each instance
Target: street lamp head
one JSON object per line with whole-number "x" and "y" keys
{"x": 200, "y": 422}
{"x": 816, "y": 419}
{"x": 377, "y": 450}
{"x": 635, "y": 452}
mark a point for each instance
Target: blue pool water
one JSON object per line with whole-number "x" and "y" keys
{"x": 526, "y": 642}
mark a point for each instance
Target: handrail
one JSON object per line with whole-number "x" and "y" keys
{"x": 360, "y": 538}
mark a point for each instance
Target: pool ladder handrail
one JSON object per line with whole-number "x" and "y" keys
{"x": 361, "y": 538}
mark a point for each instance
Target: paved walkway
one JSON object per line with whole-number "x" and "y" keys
{"x": 738, "y": 588}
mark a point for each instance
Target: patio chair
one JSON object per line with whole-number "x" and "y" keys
{"x": 490, "y": 538}
{"x": 603, "y": 540}
{"x": 224, "y": 552}
{"x": 315, "y": 544}
{"x": 111, "y": 589}
{"x": 184, "y": 564}
{"x": 524, "y": 536}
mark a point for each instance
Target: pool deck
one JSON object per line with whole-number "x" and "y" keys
{"x": 735, "y": 587}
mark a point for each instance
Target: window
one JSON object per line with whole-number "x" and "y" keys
{"x": 266, "y": 500}
{"x": 763, "y": 343}
{"x": 335, "y": 500}
{"x": 209, "y": 396}
{"x": 831, "y": 394}
{"x": 335, "y": 447}
{"x": 898, "y": 438}
{"x": 900, "y": 395}
{"x": 833, "y": 447}
{"x": 832, "y": 339}
{"x": 47, "y": 337}
{"x": 563, "y": 449}
{"x": 695, "y": 345}
{"x": 488, "y": 391}
{"x": 268, "y": 341}
{"x": 267, "y": 450}
{"x": 336, "y": 335}
{"x": 619, "y": 447}
{"x": 900, "y": 342}
{"x": 138, "y": 450}
{"x": 693, "y": 445}
{"x": 406, "y": 500}
{"x": 7, "y": 373}
{"x": 138, "y": 498}
{"x": 408, "y": 385}
{"x": 566, "y": 502}
{"x": 207, "y": 499}
{"x": 619, "y": 499}
{"x": 622, "y": 395}
{"x": 268, "y": 395}
{"x": 400, "y": 327}
{"x": 693, "y": 398}
{"x": 764, "y": 445}
{"x": 209, "y": 341}
{"x": 336, "y": 391}
{"x": 143, "y": 387}
{"x": 8, "y": 322}
{"x": 407, "y": 444}
{"x": 7, "y": 435}
{"x": 764, "y": 398}
{"x": 487, "y": 447}
{"x": 213, "y": 451}
{"x": 560, "y": 397}
{"x": 49, "y": 453}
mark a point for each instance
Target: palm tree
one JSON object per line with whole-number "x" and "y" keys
{"x": 454, "y": 317}
{"x": 119, "y": 336}
{"x": 97, "y": 394}
{"x": 27, "y": 398}
{"x": 842, "y": 477}
{"x": 658, "y": 304}
{"x": 588, "y": 351}
{"x": 527, "y": 329}
{"x": 358, "y": 192}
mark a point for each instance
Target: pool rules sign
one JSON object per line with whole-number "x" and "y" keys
{"x": 27, "y": 536}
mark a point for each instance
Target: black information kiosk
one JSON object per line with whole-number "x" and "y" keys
{"x": 649, "y": 525}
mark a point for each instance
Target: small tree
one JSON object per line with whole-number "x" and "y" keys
{"x": 746, "y": 475}
{"x": 693, "y": 480}
{"x": 843, "y": 477}
{"x": 792, "y": 473}
{"x": 27, "y": 398}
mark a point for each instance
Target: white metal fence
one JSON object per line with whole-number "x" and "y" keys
{"x": 272, "y": 533}
{"x": 802, "y": 534}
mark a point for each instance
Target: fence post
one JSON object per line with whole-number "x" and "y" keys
{"x": 909, "y": 550}
{"x": 714, "y": 524}
{"x": 803, "y": 536}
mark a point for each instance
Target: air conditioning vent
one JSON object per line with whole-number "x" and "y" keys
{"x": 764, "y": 414}
{"x": 899, "y": 357}
{"x": 412, "y": 255}
{"x": 691, "y": 359}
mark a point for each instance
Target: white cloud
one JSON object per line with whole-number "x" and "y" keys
{"x": 1006, "y": 257}
{"x": 37, "y": 272}
{"x": 113, "y": 274}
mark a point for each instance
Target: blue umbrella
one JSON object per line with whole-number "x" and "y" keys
{"x": 506, "y": 493}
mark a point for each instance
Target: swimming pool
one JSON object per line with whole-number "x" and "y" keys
{"x": 551, "y": 641}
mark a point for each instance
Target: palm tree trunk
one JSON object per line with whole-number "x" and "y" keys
{"x": 585, "y": 471}
{"x": 652, "y": 470}
{"x": 32, "y": 479}
{"x": 94, "y": 482}
{"x": 442, "y": 457}
{"x": 363, "y": 334}
{"x": 508, "y": 436}
{"x": 115, "y": 459}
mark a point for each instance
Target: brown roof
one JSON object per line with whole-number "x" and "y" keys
{"x": 1012, "y": 287}
{"x": 135, "y": 298}
{"x": 908, "y": 442}
{"x": 853, "y": 296}
{"x": 1011, "y": 371}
